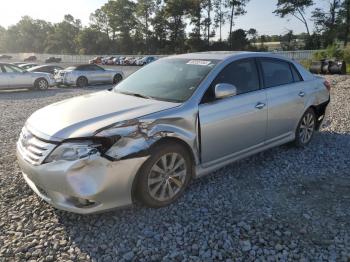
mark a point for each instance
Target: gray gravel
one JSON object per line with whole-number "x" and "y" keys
{"x": 284, "y": 204}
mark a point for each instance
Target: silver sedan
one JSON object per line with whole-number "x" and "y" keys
{"x": 12, "y": 76}
{"x": 176, "y": 119}
{"x": 84, "y": 75}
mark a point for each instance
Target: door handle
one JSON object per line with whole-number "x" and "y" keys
{"x": 260, "y": 105}
{"x": 301, "y": 94}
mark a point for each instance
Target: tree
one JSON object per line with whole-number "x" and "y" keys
{"x": 295, "y": 8}
{"x": 208, "y": 7}
{"x": 62, "y": 39}
{"x": 160, "y": 26}
{"x": 253, "y": 35}
{"x": 239, "y": 40}
{"x": 175, "y": 11}
{"x": 326, "y": 21}
{"x": 144, "y": 10}
{"x": 344, "y": 16}
{"x": 220, "y": 10}
{"x": 99, "y": 21}
{"x": 92, "y": 41}
{"x": 237, "y": 8}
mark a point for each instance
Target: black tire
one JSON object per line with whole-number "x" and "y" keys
{"x": 143, "y": 193}
{"x": 41, "y": 84}
{"x": 117, "y": 78}
{"x": 300, "y": 140}
{"x": 82, "y": 81}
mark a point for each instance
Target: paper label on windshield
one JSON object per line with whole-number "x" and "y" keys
{"x": 198, "y": 62}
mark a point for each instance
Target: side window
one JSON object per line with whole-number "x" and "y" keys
{"x": 9, "y": 69}
{"x": 296, "y": 75}
{"x": 96, "y": 68}
{"x": 276, "y": 72}
{"x": 243, "y": 74}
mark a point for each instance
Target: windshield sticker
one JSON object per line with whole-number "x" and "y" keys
{"x": 198, "y": 62}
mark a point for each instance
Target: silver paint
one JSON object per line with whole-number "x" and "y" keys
{"x": 215, "y": 133}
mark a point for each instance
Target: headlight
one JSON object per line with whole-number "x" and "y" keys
{"x": 72, "y": 151}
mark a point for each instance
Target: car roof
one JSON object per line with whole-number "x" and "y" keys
{"x": 223, "y": 55}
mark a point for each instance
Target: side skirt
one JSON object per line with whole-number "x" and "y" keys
{"x": 202, "y": 170}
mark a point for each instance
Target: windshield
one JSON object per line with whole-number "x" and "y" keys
{"x": 172, "y": 80}
{"x": 71, "y": 68}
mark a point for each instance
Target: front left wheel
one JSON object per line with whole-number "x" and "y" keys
{"x": 164, "y": 176}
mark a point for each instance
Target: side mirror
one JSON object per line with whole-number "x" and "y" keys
{"x": 225, "y": 90}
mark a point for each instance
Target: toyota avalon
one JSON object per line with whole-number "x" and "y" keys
{"x": 174, "y": 120}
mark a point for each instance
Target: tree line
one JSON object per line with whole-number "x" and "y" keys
{"x": 174, "y": 26}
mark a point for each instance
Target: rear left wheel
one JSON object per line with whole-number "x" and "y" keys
{"x": 306, "y": 128}
{"x": 41, "y": 84}
{"x": 164, "y": 176}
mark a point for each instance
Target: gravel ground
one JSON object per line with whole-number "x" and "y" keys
{"x": 284, "y": 204}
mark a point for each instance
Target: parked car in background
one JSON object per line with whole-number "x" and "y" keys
{"x": 120, "y": 60}
{"x": 53, "y": 59}
{"x": 128, "y": 60}
{"x": 31, "y": 58}
{"x": 5, "y": 57}
{"x": 51, "y": 69}
{"x": 27, "y": 66}
{"x": 134, "y": 60}
{"x": 96, "y": 60}
{"x": 108, "y": 60}
{"x": 12, "y": 76}
{"x": 146, "y": 60}
{"x": 84, "y": 75}
{"x": 176, "y": 119}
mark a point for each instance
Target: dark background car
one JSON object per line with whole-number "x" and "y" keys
{"x": 52, "y": 69}
{"x": 5, "y": 57}
{"x": 53, "y": 59}
{"x": 30, "y": 58}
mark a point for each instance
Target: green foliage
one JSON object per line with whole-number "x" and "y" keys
{"x": 332, "y": 52}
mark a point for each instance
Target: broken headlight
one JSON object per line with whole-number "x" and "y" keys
{"x": 72, "y": 151}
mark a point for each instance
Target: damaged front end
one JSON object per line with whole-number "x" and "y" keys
{"x": 89, "y": 175}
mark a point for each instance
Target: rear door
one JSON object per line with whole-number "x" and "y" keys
{"x": 235, "y": 124}
{"x": 285, "y": 97}
{"x": 99, "y": 74}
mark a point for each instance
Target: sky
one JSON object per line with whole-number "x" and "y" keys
{"x": 259, "y": 13}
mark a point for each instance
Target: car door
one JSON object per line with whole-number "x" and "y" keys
{"x": 3, "y": 78}
{"x": 17, "y": 77}
{"x": 285, "y": 97}
{"x": 97, "y": 73}
{"x": 233, "y": 125}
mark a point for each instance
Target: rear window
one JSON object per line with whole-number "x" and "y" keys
{"x": 276, "y": 72}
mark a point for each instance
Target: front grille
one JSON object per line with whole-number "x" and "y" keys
{"x": 33, "y": 149}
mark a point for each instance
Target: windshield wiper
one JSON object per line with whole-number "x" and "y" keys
{"x": 136, "y": 94}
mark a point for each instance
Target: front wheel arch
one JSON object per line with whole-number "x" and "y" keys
{"x": 163, "y": 142}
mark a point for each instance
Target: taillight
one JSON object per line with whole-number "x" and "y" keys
{"x": 327, "y": 84}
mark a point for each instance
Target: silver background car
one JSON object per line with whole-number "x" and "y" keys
{"x": 149, "y": 136}
{"x": 83, "y": 75}
{"x": 12, "y": 76}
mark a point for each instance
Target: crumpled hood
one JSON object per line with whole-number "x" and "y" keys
{"x": 82, "y": 116}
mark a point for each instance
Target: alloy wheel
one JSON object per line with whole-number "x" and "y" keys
{"x": 42, "y": 84}
{"x": 307, "y": 128}
{"x": 167, "y": 177}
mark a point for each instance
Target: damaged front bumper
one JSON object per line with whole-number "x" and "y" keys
{"x": 89, "y": 185}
